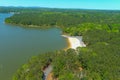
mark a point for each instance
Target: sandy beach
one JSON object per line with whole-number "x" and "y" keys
{"x": 75, "y": 41}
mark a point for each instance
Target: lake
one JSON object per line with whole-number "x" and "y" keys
{"x": 18, "y": 44}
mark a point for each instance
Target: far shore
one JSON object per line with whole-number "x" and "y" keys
{"x": 74, "y": 41}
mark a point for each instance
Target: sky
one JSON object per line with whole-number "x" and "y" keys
{"x": 79, "y": 4}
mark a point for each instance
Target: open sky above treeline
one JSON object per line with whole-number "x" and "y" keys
{"x": 79, "y": 4}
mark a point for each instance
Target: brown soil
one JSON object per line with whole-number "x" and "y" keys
{"x": 69, "y": 44}
{"x": 49, "y": 77}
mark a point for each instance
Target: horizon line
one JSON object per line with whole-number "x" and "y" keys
{"x": 63, "y": 8}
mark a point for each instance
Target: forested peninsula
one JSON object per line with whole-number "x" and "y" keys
{"x": 99, "y": 60}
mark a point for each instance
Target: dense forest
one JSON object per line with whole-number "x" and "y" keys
{"x": 98, "y": 61}
{"x": 100, "y": 31}
{"x": 74, "y": 22}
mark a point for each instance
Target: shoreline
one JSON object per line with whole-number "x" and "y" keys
{"x": 74, "y": 41}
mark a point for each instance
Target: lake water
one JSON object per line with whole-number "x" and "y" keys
{"x": 18, "y": 44}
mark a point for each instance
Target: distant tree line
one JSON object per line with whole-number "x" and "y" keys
{"x": 73, "y": 22}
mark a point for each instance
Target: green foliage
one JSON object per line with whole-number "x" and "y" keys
{"x": 100, "y": 31}
{"x": 72, "y": 22}
{"x": 101, "y": 57}
{"x": 99, "y": 60}
{"x": 33, "y": 69}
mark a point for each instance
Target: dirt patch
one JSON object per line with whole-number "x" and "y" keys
{"x": 49, "y": 77}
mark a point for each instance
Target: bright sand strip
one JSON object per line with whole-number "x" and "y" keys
{"x": 75, "y": 41}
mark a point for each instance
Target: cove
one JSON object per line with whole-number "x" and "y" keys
{"x": 18, "y": 44}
